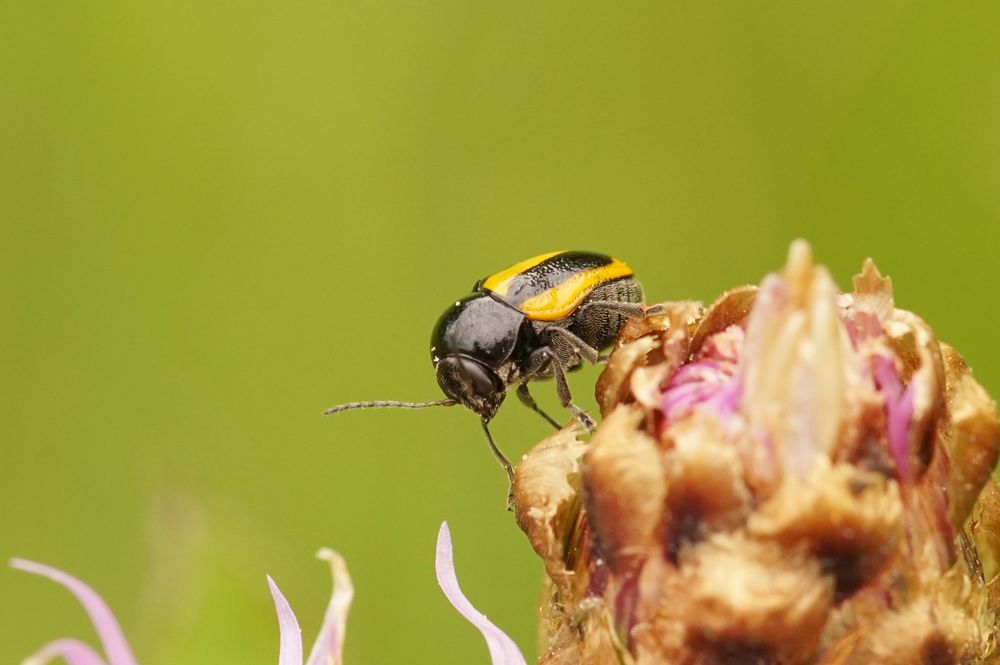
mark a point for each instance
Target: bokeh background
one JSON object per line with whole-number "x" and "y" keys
{"x": 217, "y": 219}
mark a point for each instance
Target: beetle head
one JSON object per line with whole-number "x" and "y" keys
{"x": 471, "y": 383}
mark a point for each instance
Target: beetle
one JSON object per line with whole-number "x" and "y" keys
{"x": 537, "y": 319}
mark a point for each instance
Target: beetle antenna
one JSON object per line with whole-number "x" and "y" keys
{"x": 381, "y": 404}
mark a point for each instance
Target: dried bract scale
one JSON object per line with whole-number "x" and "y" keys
{"x": 849, "y": 520}
{"x": 730, "y": 309}
{"x": 973, "y": 430}
{"x": 625, "y": 477}
{"x": 613, "y": 385}
{"x": 705, "y": 492}
{"x": 932, "y": 629}
{"x": 985, "y": 530}
{"x": 547, "y": 494}
{"x": 572, "y": 620}
{"x": 793, "y": 475}
{"x": 744, "y": 596}
{"x": 582, "y": 639}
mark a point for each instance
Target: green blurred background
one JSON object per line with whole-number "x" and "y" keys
{"x": 217, "y": 219}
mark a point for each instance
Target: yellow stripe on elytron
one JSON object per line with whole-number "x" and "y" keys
{"x": 560, "y": 301}
{"x": 499, "y": 282}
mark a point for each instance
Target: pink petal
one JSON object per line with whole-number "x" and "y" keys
{"x": 727, "y": 399}
{"x": 110, "y": 633}
{"x": 679, "y": 400}
{"x": 290, "y": 649}
{"x": 330, "y": 643}
{"x": 503, "y": 651}
{"x": 898, "y": 411}
{"x": 898, "y": 430}
{"x": 709, "y": 380}
{"x": 74, "y": 652}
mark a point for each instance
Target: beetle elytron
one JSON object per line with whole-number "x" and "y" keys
{"x": 537, "y": 319}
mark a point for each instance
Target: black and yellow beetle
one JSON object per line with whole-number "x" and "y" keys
{"x": 536, "y": 319}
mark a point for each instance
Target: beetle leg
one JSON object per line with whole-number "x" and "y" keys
{"x": 545, "y": 357}
{"x": 504, "y": 462}
{"x": 525, "y": 396}
{"x": 562, "y": 390}
{"x": 580, "y": 348}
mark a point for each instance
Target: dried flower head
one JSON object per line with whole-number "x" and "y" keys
{"x": 791, "y": 475}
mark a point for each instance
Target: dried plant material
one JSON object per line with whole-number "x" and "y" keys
{"x": 985, "y": 530}
{"x": 931, "y": 630}
{"x": 744, "y": 596}
{"x": 547, "y": 498}
{"x": 613, "y": 384}
{"x": 847, "y": 518}
{"x": 791, "y": 476}
{"x": 682, "y": 317}
{"x": 646, "y": 383}
{"x": 635, "y": 328}
{"x": 871, "y": 305}
{"x": 972, "y": 447}
{"x": 625, "y": 489}
{"x": 648, "y": 350}
{"x": 731, "y": 308}
{"x": 705, "y": 488}
{"x": 918, "y": 355}
{"x": 583, "y": 638}
{"x": 840, "y": 652}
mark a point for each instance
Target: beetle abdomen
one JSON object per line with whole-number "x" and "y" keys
{"x": 551, "y": 286}
{"x": 599, "y": 326}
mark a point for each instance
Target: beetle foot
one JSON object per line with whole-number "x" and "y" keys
{"x": 588, "y": 423}
{"x": 654, "y": 310}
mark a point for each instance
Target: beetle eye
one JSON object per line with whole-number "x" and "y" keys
{"x": 481, "y": 378}
{"x": 463, "y": 378}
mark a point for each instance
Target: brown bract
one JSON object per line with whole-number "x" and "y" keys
{"x": 792, "y": 475}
